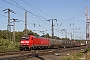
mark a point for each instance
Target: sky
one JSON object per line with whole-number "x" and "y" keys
{"x": 70, "y": 15}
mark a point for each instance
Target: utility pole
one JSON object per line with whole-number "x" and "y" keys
{"x": 87, "y": 24}
{"x": 8, "y": 26}
{"x": 14, "y": 20}
{"x": 26, "y": 23}
{"x": 52, "y": 26}
{"x": 71, "y": 35}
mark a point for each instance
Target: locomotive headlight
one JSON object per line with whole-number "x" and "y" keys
{"x": 27, "y": 41}
{"x": 22, "y": 41}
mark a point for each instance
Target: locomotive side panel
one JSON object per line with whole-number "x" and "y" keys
{"x": 40, "y": 42}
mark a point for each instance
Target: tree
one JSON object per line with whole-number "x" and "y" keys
{"x": 1, "y": 34}
{"x": 47, "y": 35}
{"x": 18, "y": 36}
{"x": 5, "y": 34}
{"x": 30, "y": 32}
{"x": 24, "y": 31}
{"x": 35, "y": 34}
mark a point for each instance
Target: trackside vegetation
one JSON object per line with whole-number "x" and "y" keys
{"x": 6, "y": 45}
{"x": 74, "y": 56}
{"x": 81, "y": 55}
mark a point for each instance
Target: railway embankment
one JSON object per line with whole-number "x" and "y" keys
{"x": 48, "y": 54}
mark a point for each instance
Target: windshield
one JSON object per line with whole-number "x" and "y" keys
{"x": 25, "y": 38}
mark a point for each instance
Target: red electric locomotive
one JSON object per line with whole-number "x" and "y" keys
{"x": 33, "y": 42}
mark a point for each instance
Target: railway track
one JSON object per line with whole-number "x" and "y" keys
{"x": 34, "y": 53}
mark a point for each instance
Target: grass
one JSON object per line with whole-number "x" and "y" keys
{"x": 78, "y": 55}
{"x": 88, "y": 56}
{"x": 73, "y": 56}
{"x": 87, "y": 53}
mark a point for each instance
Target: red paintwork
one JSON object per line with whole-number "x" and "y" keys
{"x": 40, "y": 42}
{"x": 34, "y": 41}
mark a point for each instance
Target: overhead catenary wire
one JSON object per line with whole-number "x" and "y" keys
{"x": 45, "y": 9}
{"x": 56, "y": 15}
{"x": 34, "y": 9}
{"x": 25, "y": 10}
{"x": 20, "y": 7}
{"x": 34, "y": 14}
{"x": 37, "y": 16}
{"x": 24, "y": 21}
{"x": 39, "y": 25}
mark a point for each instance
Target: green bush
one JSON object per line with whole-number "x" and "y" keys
{"x": 6, "y": 45}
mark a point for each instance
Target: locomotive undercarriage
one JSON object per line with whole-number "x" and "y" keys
{"x": 39, "y": 47}
{"x": 25, "y": 48}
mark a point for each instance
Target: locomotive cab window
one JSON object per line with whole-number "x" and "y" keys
{"x": 25, "y": 38}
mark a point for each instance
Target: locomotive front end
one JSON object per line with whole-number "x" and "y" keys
{"x": 24, "y": 43}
